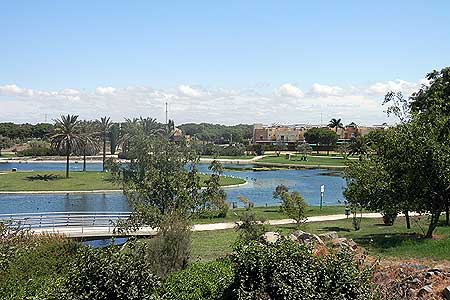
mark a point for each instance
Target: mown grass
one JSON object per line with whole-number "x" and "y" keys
{"x": 7, "y": 155}
{"x": 272, "y": 213}
{"x": 229, "y": 157}
{"x": 312, "y": 160}
{"x": 374, "y": 236}
{"x": 78, "y": 181}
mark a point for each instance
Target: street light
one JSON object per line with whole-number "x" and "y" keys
{"x": 322, "y": 190}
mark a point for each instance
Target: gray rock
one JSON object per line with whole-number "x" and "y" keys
{"x": 446, "y": 293}
{"x": 306, "y": 237}
{"x": 271, "y": 237}
{"x": 428, "y": 289}
{"x": 328, "y": 236}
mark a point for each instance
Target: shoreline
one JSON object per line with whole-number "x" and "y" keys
{"x": 95, "y": 191}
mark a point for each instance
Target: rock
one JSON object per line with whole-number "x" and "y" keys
{"x": 428, "y": 289}
{"x": 446, "y": 293}
{"x": 271, "y": 237}
{"x": 328, "y": 236}
{"x": 305, "y": 237}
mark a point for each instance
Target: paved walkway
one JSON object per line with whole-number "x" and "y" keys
{"x": 105, "y": 232}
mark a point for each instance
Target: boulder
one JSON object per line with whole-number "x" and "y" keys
{"x": 305, "y": 237}
{"x": 271, "y": 237}
{"x": 428, "y": 289}
{"x": 328, "y": 236}
{"x": 343, "y": 243}
{"x": 446, "y": 293}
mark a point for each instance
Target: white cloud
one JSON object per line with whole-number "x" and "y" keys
{"x": 105, "y": 90}
{"x": 326, "y": 90}
{"x": 188, "y": 91}
{"x": 361, "y": 104}
{"x": 14, "y": 90}
{"x": 406, "y": 87}
{"x": 290, "y": 90}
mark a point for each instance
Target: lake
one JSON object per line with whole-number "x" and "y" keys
{"x": 259, "y": 189}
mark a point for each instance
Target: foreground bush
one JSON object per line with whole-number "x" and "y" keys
{"x": 30, "y": 265}
{"x": 201, "y": 281}
{"x": 287, "y": 270}
{"x": 108, "y": 274}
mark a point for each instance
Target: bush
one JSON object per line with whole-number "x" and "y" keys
{"x": 30, "y": 265}
{"x": 201, "y": 281}
{"x": 389, "y": 217}
{"x": 287, "y": 270}
{"x": 38, "y": 148}
{"x": 108, "y": 274}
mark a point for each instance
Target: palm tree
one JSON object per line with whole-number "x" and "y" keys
{"x": 104, "y": 127}
{"x": 336, "y": 124}
{"x": 66, "y": 136}
{"x": 89, "y": 142}
{"x": 358, "y": 146}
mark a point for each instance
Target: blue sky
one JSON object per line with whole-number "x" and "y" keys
{"x": 210, "y": 46}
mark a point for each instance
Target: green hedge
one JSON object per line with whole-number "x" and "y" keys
{"x": 200, "y": 281}
{"x": 286, "y": 270}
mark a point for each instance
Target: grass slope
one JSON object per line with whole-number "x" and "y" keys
{"x": 312, "y": 160}
{"x": 374, "y": 236}
{"x": 78, "y": 181}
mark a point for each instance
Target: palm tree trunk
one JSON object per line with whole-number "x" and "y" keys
{"x": 104, "y": 151}
{"x": 447, "y": 213}
{"x": 67, "y": 160}
{"x": 84, "y": 159}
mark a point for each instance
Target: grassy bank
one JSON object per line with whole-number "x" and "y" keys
{"x": 378, "y": 239}
{"x": 229, "y": 157}
{"x": 312, "y": 160}
{"x": 78, "y": 181}
{"x": 272, "y": 213}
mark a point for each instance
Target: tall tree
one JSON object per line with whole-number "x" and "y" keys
{"x": 336, "y": 124}
{"x": 104, "y": 127}
{"x": 358, "y": 146}
{"x": 66, "y": 137}
{"x": 114, "y": 135}
{"x": 89, "y": 143}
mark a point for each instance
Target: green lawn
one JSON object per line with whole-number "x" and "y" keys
{"x": 7, "y": 155}
{"x": 374, "y": 236}
{"x": 230, "y": 157}
{"x": 272, "y": 213}
{"x": 312, "y": 160}
{"x": 78, "y": 181}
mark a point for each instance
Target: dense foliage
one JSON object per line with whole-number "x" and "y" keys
{"x": 219, "y": 134}
{"x": 287, "y": 270}
{"x": 25, "y": 132}
{"x": 410, "y": 168}
{"x": 200, "y": 281}
{"x": 108, "y": 274}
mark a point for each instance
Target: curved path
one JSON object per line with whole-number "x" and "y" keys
{"x": 108, "y": 231}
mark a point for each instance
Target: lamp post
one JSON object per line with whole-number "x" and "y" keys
{"x": 322, "y": 190}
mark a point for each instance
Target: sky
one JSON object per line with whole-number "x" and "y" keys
{"x": 224, "y": 62}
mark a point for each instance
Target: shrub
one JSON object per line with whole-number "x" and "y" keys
{"x": 287, "y": 270}
{"x": 201, "y": 281}
{"x": 29, "y": 264}
{"x": 389, "y": 217}
{"x": 38, "y": 148}
{"x": 108, "y": 274}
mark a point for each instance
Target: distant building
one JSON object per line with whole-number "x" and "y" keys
{"x": 293, "y": 134}
{"x": 273, "y": 134}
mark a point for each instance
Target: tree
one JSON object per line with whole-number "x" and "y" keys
{"x": 358, "y": 146}
{"x": 104, "y": 125}
{"x": 89, "y": 143}
{"x": 321, "y": 136}
{"x": 5, "y": 142}
{"x": 292, "y": 203}
{"x": 66, "y": 137}
{"x": 336, "y": 124}
{"x": 163, "y": 186}
{"x": 411, "y": 168}
{"x": 114, "y": 135}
